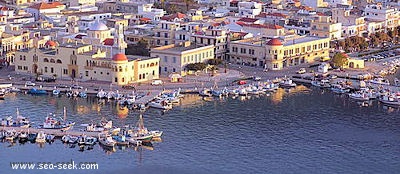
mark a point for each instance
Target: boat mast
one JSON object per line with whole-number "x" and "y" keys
{"x": 65, "y": 114}
{"x": 17, "y": 112}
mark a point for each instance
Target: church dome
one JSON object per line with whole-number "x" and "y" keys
{"x": 98, "y": 26}
{"x": 120, "y": 57}
{"x": 274, "y": 42}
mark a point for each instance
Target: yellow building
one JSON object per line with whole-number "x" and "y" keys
{"x": 276, "y": 54}
{"x": 175, "y": 57}
{"x": 325, "y": 27}
{"x": 80, "y": 61}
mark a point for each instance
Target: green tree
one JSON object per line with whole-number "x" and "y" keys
{"x": 196, "y": 66}
{"x": 214, "y": 62}
{"x": 141, "y": 48}
{"x": 339, "y": 60}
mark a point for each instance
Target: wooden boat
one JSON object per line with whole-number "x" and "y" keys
{"x": 106, "y": 140}
{"x": 41, "y": 137}
{"x": 390, "y": 100}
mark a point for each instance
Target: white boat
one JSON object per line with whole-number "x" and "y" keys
{"x": 73, "y": 139}
{"x": 321, "y": 84}
{"x": 10, "y": 135}
{"x": 50, "y": 137}
{"x": 14, "y": 89}
{"x": 90, "y": 140}
{"x": 23, "y": 135}
{"x": 56, "y": 92}
{"x": 106, "y": 140}
{"x": 359, "y": 96}
{"x": 205, "y": 92}
{"x": 380, "y": 81}
{"x": 41, "y": 137}
{"x": 390, "y": 100}
{"x": 243, "y": 91}
{"x": 339, "y": 89}
{"x": 65, "y": 138}
{"x": 287, "y": 83}
{"x": 101, "y": 94}
{"x": 156, "y": 133}
{"x": 160, "y": 104}
{"x": 130, "y": 99}
{"x": 134, "y": 141}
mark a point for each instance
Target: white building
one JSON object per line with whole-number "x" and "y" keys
{"x": 42, "y": 8}
{"x": 249, "y": 9}
{"x": 389, "y": 17}
{"x": 147, "y": 11}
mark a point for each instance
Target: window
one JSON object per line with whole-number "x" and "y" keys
{"x": 165, "y": 69}
{"x": 51, "y": 70}
{"x": 173, "y": 59}
{"x": 165, "y": 42}
{"x": 45, "y": 60}
{"x": 59, "y": 61}
{"x": 86, "y": 73}
{"x": 65, "y": 71}
{"x": 165, "y": 59}
{"x": 173, "y": 69}
{"x": 115, "y": 80}
{"x": 45, "y": 69}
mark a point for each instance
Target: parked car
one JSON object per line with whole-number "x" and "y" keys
{"x": 156, "y": 82}
{"x": 256, "y": 78}
{"x": 75, "y": 86}
{"x": 129, "y": 86}
{"x": 29, "y": 83}
{"x": 301, "y": 71}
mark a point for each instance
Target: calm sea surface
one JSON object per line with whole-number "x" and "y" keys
{"x": 304, "y": 130}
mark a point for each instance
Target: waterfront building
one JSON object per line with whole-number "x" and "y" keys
{"x": 352, "y": 23}
{"x": 278, "y": 53}
{"x": 175, "y": 57}
{"x": 216, "y": 37}
{"x": 381, "y": 18}
{"x": 324, "y": 27}
{"x": 81, "y": 62}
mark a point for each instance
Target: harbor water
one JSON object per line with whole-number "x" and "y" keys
{"x": 302, "y": 130}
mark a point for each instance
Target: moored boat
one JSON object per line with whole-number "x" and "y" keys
{"x": 35, "y": 91}
{"x": 41, "y": 137}
{"x": 390, "y": 100}
{"x": 106, "y": 140}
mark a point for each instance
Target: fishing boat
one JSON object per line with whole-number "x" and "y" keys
{"x": 134, "y": 142}
{"x": 390, "y": 100}
{"x": 205, "y": 92}
{"x": 287, "y": 83}
{"x": 65, "y": 138}
{"x": 102, "y": 126}
{"x": 361, "y": 96}
{"x": 106, "y": 140}
{"x": 56, "y": 92}
{"x": 337, "y": 88}
{"x": 52, "y": 123}
{"x": 32, "y": 136}
{"x": 81, "y": 140}
{"x": 380, "y": 81}
{"x": 73, "y": 139}
{"x": 23, "y": 135}
{"x": 41, "y": 137}
{"x": 50, "y": 138}
{"x": 121, "y": 140}
{"x": 156, "y": 133}
{"x": 2, "y": 95}
{"x": 101, "y": 94}
{"x": 82, "y": 94}
{"x": 35, "y": 91}
{"x": 90, "y": 140}
{"x": 160, "y": 104}
{"x": 21, "y": 121}
{"x": 140, "y": 132}
{"x": 10, "y": 135}
{"x": 321, "y": 84}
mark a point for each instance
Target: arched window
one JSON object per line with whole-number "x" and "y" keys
{"x": 52, "y": 61}
{"x": 59, "y": 61}
{"x": 152, "y": 64}
{"x": 140, "y": 76}
{"x": 123, "y": 79}
{"x": 45, "y": 60}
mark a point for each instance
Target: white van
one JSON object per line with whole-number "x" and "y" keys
{"x": 157, "y": 82}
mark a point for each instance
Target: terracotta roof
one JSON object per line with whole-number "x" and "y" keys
{"x": 173, "y": 16}
{"x": 79, "y": 36}
{"x": 274, "y": 42}
{"x": 4, "y": 9}
{"x": 42, "y": 5}
{"x": 248, "y": 20}
{"x": 51, "y": 43}
{"x": 272, "y": 14}
{"x": 119, "y": 57}
{"x": 108, "y": 41}
{"x": 269, "y": 26}
{"x": 145, "y": 19}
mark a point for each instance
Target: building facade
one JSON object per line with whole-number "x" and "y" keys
{"x": 175, "y": 57}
